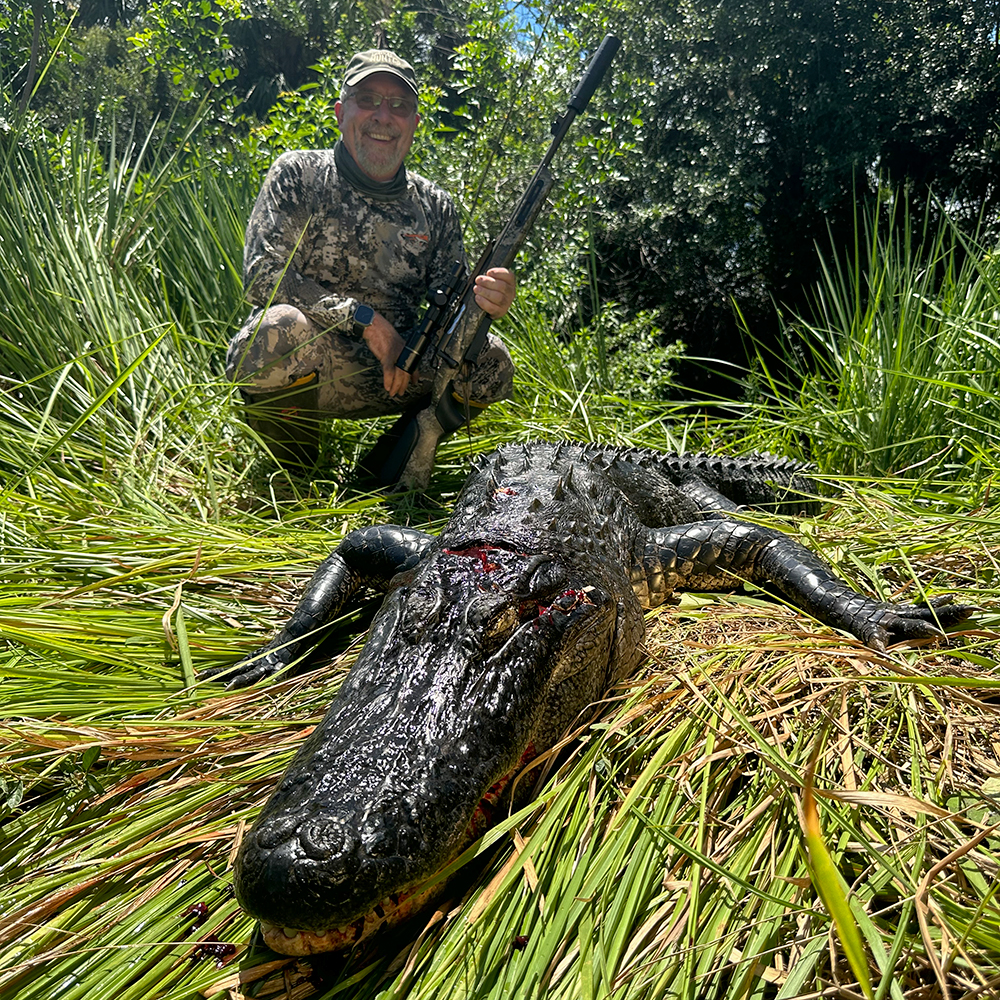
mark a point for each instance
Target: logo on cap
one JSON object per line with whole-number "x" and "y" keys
{"x": 365, "y": 64}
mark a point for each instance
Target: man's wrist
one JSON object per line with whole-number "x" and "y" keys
{"x": 362, "y": 317}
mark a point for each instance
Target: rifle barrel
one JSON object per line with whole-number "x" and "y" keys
{"x": 606, "y": 51}
{"x": 450, "y": 341}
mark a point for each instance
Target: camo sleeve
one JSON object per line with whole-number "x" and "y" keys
{"x": 279, "y": 239}
{"x": 449, "y": 241}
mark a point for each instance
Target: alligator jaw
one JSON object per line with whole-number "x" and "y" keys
{"x": 286, "y": 941}
{"x": 393, "y": 910}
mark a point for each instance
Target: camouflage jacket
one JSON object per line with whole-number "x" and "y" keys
{"x": 341, "y": 247}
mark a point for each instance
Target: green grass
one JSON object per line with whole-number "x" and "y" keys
{"x": 764, "y": 802}
{"x": 896, "y": 370}
{"x": 663, "y": 857}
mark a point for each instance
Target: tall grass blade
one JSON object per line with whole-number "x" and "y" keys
{"x": 831, "y": 890}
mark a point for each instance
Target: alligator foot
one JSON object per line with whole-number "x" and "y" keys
{"x": 254, "y": 668}
{"x": 913, "y": 622}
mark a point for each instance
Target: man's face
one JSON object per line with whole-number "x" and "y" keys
{"x": 378, "y": 138}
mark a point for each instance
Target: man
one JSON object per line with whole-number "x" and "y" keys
{"x": 341, "y": 248}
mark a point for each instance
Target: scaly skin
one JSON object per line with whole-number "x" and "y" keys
{"x": 493, "y": 638}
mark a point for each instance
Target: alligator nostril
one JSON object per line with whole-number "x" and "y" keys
{"x": 325, "y": 839}
{"x": 276, "y": 830}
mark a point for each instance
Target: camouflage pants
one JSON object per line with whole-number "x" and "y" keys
{"x": 279, "y": 347}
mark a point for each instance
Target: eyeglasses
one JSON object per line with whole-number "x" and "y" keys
{"x": 401, "y": 107}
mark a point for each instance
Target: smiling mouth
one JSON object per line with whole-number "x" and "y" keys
{"x": 379, "y": 136}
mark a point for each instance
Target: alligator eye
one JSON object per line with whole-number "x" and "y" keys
{"x": 502, "y": 623}
{"x": 529, "y": 610}
{"x": 421, "y": 610}
{"x": 498, "y": 630}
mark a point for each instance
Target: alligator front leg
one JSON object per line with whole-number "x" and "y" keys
{"x": 369, "y": 557}
{"x": 721, "y": 554}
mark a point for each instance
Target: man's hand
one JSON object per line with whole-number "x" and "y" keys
{"x": 495, "y": 291}
{"x": 385, "y": 343}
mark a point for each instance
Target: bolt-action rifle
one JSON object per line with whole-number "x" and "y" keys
{"x": 453, "y": 328}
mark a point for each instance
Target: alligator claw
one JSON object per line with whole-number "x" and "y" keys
{"x": 949, "y": 613}
{"x": 914, "y": 622}
{"x": 248, "y": 671}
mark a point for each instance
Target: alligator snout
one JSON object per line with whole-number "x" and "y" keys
{"x": 441, "y": 708}
{"x": 329, "y": 873}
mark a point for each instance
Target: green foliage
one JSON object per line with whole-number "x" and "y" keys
{"x": 187, "y": 39}
{"x": 33, "y": 41}
{"x": 110, "y": 305}
{"x": 730, "y": 139}
{"x": 761, "y": 126}
{"x": 639, "y": 363}
{"x": 141, "y": 543}
{"x": 301, "y": 119}
{"x": 109, "y": 87}
{"x": 900, "y": 374}
{"x": 16, "y": 24}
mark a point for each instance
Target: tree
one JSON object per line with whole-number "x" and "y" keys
{"x": 43, "y": 14}
{"x": 763, "y": 126}
{"x": 108, "y": 12}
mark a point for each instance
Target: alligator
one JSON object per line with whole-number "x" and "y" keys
{"x": 493, "y": 637}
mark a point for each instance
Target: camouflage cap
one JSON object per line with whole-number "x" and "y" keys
{"x": 365, "y": 64}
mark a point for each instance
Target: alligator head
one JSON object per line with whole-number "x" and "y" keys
{"x": 478, "y": 659}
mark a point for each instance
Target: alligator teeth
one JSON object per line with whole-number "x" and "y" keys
{"x": 289, "y": 932}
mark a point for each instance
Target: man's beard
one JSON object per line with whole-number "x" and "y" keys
{"x": 380, "y": 164}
